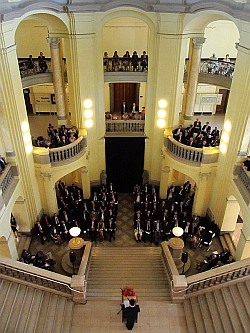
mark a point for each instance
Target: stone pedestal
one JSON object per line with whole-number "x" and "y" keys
{"x": 176, "y": 246}
{"x": 77, "y": 245}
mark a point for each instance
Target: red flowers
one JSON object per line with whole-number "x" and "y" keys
{"x": 128, "y": 292}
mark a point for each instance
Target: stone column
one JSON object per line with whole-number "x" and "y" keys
{"x": 58, "y": 80}
{"x": 85, "y": 182}
{"x": 49, "y": 193}
{"x": 202, "y": 193}
{"x": 164, "y": 183}
{"x": 192, "y": 77}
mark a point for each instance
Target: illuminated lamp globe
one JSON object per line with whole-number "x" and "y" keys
{"x": 162, "y": 114}
{"x": 161, "y": 123}
{"x": 75, "y": 232}
{"x": 227, "y": 126}
{"x": 87, "y": 103}
{"x": 28, "y": 148}
{"x": 25, "y": 126}
{"x": 223, "y": 148}
{"x": 225, "y": 137}
{"x": 162, "y": 103}
{"x": 88, "y": 113}
{"x": 26, "y": 137}
{"x": 177, "y": 231}
{"x": 89, "y": 123}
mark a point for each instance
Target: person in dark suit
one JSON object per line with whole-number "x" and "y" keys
{"x": 3, "y": 163}
{"x": 144, "y": 61}
{"x": 42, "y": 63}
{"x": 123, "y": 107}
{"x": 131, "y": 313}
{"x": 197, "y": 126}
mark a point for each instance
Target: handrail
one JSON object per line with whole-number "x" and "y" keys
{"x": 25, "y": 71}
{"x": 219, "y": 275}
{"x": 194, "y": 156}
{"x": 6, "y": 178}
{"x": 123, "y": 64}
{"x": 68, "y": 151}
{"x": 4, "y": 263}
{"x": 244, "y": 176}
{"x": 115, "y": 126}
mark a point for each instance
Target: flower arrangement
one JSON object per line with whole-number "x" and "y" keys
{"x": 128, "y": 292}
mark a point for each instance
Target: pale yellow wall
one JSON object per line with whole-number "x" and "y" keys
{"x": 36, "y": 40}
{"x": 221, "y": 37}
{"x": 125, "y": 33}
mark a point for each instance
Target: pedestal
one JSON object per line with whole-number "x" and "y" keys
{"x": 77, "y": 245}
{"x": 176, "y": 246}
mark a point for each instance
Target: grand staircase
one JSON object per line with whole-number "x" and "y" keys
{"x": 114, "y": 268}
{"x": 225, "y": 309}
{"x": 27, "y": 309}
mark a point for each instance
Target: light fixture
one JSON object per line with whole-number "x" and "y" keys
{"x": 161, "y": 123}
{"x": 25, "y": 126}
{"x": 26, "y": 137}
{"x": 28, "y": 148}
{"x": 227, "y": 125}
{"x": 75, "y": 232}
{"x": 162, "y": 103}
{"x": 223, "y": 148}
{"x": 87, "y": 103}
{"x": 88, "y": 113}
{"x": 177, "y": 231}
{"x": 162, "y": 113}
{"x": 89, "y": 123}
{"x": 225, "y": 137}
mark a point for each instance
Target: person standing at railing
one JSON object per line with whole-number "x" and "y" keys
{"x": 126, "y": 61}
{"x": 123, "y": 108}
{"x": 115, "y": 61}
{"x": 213, "y": 64}
{"x": 42, "y": 62}
{"x": 246, "y": 163}
{"x": 135, "y": 60}
{"x": 144, "y": 61}
{"x": 30, "y": 64}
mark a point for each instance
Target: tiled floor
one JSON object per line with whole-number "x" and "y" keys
{"x": 124, "y": 237}
{"x": 155, "y": 317}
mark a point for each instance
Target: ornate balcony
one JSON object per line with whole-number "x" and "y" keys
{"x": 190, "y": 155}
{"x": 60, "y": 155}
{"x": 242, "y": 181}
{"x": 125, "y": 127}
{"x": 8, "y": 182}
{"x": 218, "y": 73}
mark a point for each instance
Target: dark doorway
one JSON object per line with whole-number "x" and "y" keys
{"x": 26, "y": 94}
{"x": 124, "y": 162}
{"x": 222, "y": 108}
{"x": 119, "y": 92}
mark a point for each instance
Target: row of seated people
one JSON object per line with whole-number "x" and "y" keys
{"x": 40, "y": 259}
{"x": 198, "y": 136}
{"x": 216, "y": 259}
{"x": 124, "y": 63}
{"x": 57, "y": 137}
{"x": 154, "y": 219}
{"x": 95, "y": 216}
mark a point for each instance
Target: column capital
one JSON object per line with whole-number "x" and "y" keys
{"x": 54, "y": 42}
{"x": 198, "y": 42}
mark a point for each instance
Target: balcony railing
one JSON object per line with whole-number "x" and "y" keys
{"x": 244, "y": 176}
{"x": 25, "y": 71}
{"x": 218, "y": 67}
{"x": 55, "y": 155}
{"x": 125, "y": 126}
{"x": 6, "y": 178}
{"x": 194, "y": 156}
{"x": 122, "y": 65}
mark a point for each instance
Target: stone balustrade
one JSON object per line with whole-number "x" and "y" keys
{"x": 5, "y": 179}
{"x": 27, "y": 274}
{"x": 125, "y": 126}
{"x": 191, "y": 155}
{"x": 56, "y": 155}
{"x": 219, "y": 275}
{"x": 244, "y": 176}
{"x": 121, "y": 65}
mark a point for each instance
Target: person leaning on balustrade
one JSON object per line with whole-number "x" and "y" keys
{"x": 246, "y": 163}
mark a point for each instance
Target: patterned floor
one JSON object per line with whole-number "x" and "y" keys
{"x": 124, "y": 237}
